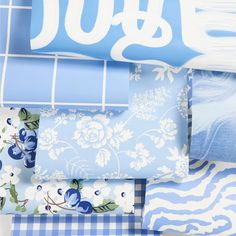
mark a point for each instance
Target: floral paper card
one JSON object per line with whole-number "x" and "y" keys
{"x": 147, "y": 141}
{"x": 201, "y": 204}
{"x": 21, "y": 192}
{"x": 213, "y": 115}
{"x": 200, "y": 33}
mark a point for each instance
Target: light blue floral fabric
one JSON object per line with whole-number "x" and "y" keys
{"x": 148, "y": 140}
{"x": 213, "y": 116}
{"x": 190, "y": 33}
{"x": 21, "y": 192}
{"x": 28, "y": 79}
{"x": 201, "y": 204}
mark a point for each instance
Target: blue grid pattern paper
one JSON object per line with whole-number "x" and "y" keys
{"x": 148, "y": 140}
{"x": 201, "y": 204}
{"x": 201, "y": 34}
{"x": 214, "y": 132}
{"x": 22, "y": 193}
{"x": 32, "y": 80}
{"x": 111, "y": 225}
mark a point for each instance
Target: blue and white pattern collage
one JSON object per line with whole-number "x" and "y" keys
{"x": 118, "y": 117}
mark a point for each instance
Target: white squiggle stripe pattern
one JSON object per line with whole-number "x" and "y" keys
{"x": 202, "y": 204}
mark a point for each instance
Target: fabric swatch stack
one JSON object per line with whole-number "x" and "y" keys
{"x": 117, "y": 117}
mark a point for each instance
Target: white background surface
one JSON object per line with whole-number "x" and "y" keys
{"x": 5, "y": 225}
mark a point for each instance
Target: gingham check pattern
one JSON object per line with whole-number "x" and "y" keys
{"x": 85, "y": 225}
{"x": 35, "y": 80}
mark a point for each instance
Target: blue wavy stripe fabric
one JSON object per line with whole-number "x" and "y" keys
{"x": 21, "y": 192}
{"x": 31, "y": 80}
{"x": 201, "y": 204}
{"x": 213, "y": 116}
{"x": 148, "y": 140}
{"x": 96, "y": 225}
{"x": 202, "y": 34}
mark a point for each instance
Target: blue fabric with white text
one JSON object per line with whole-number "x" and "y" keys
{"x": 201, "y": 34}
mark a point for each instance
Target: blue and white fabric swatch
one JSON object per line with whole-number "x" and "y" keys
{"x": 213, "y": 116}
{"x": 21, "y": 192}
{"x": 32, "y": 80}
{"x": 96, "y": 225}
{"x": 201, "y": 34}
{"x": 148, "y": 140}
{"x": 201, "y": 204}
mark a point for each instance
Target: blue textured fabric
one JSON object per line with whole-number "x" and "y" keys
{"x": 194, "y": 34}
{"x": 213, "y": 116}
{"x": 201, "y": 204}
{"x": 86, "y": 225}
{"x": 31, "y": 80}
{"x": 148, "y": 140}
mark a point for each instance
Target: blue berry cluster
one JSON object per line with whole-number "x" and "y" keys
{"x": 24, "y": 147}
{"x": 73, "y": 198}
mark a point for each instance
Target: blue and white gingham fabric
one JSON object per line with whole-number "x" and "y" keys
{"x": 35, "y": 80}
{"x": 86, "y": 225}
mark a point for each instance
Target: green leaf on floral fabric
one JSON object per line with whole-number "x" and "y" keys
{"x": 4, "y": 129}
{"x": 20, "y": 208}
{"x": 2, "y": 202}
{"x": 106, "y": 206}
{"x": 12, "y": 200}
{"x": 32, "y": 123}
{"x": 13, "y": 193}
{"x": 36, "y": 211}
{"x": 24, "y": 114}
{"x": 76, "y": 184}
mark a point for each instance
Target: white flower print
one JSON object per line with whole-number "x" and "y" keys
{"x": 103, "y": 157}
{"x": 40, "y": 190}
{"x": 10, "y": 174}
{"x": 48, "y": 209}
{"x": 164, "y": 169}
{"x": 119, "y": 135}
{"x": 165, "y": 72}
{"x": 9, "y": 122}
{"x": 137, "y": 71}
{"x": 47, "y": 139}
{"x": 57, "y": 174}
{"x": 182, "y": 160}
{"x": 54, "y": 153}
{"x": 124, "y": 197}
{"x": 141, "y": 157}
{"x": 4, "y": 137}
{"x": 36, "y": 191}
{"x": 158, "y": 141}
{"x": 44, "y": 112}
{"x": 3, "y": 192}
{"x": 168, "y": 129}
{"x": 115, "y": 175}
{"x": 92, "y": 131}
{"x": 97, "y": 192}
{"x": 182, "y": 102}
{"x": 144, "y": 105}
{"x": 63, "y": 118}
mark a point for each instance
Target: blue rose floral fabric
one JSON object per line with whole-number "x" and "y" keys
{"x": 148, "y": 140}
{"x": 21, "y": 192}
